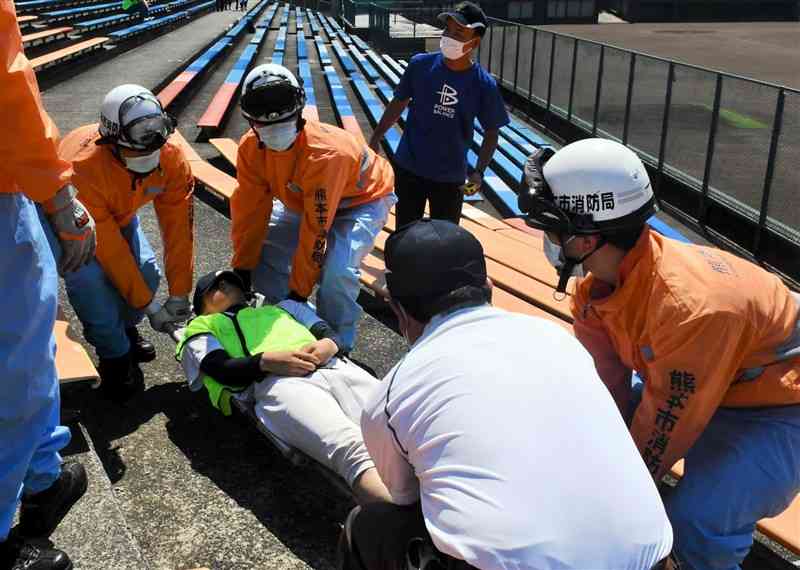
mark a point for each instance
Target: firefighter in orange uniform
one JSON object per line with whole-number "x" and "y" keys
{"x": 715, "y": 338}
{"x": 120, "y": 165}
{"x": 332, "y": 195}
{"x": 31, "y": 436}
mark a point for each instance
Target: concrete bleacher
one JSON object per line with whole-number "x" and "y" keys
{"x": 524, "y": 279}
{"x": 524, "y": 282}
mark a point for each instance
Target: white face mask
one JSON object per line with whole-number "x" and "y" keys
{"x": 279, "y": 136}
{"x": 555, "y": 255}
{"x": 452, "y": 49}
{"x": 142, "y": 164}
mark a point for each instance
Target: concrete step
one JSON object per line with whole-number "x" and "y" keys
{"x": 95, "y": 533}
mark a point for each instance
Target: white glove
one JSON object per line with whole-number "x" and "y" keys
{"x": 175, "y": 310}
{"x": 74, "y": 226}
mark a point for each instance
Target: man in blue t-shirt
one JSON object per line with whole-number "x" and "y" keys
{"x": 446, "y": 91}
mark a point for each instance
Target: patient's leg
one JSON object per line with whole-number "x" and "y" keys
{"x": 305, "y": 413}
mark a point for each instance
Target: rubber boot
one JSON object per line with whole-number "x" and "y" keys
{"x": 121, "y": 378}
{"x": 141, "y": 348}
{"x": 18, "y": 555}
{"x": 41, "y": 513}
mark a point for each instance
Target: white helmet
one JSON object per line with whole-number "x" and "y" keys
{"x": 588, "y": 187}
{"x": 131, "y": 116}
{"x": 271, "y": 94}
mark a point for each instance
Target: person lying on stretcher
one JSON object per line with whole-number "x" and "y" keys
{"x": 285, "y": 358}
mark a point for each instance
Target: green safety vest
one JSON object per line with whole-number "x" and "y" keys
{"x": 247, "y": 332}
{"x": 128, "y": 3}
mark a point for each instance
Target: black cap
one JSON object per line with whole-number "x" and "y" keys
{"x": 467, "y": 14}
{"x": 432, "y": 257}
{"x": 207, "y": 282}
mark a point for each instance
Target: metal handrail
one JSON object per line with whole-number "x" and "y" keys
{"x": 696, "y": 67}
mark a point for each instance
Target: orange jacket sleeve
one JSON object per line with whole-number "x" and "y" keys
{"x": 113, "y": 252}
{"x": 323, "y": 186}
{"x": 175, "y": 211}
{"x": 29, "y": 146}
{"x": 251, "y": 206}
{"x": 589, "y": 330}
{"x": 693, "y": 365}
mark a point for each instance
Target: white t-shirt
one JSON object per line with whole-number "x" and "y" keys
{"x": 500, "y": 425}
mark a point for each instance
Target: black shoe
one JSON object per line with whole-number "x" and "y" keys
{"x": 41, "y": 513}
{"x": 17, "y": 555}
{"x": 141, "y": 348}
{"x": 121, "y": 378}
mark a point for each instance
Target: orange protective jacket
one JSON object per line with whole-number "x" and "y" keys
{"x": 325, "y": 170}
{"x": 703, "y": 327}
{"x": 30, "y": 161}
{"x": 113, "y": 195}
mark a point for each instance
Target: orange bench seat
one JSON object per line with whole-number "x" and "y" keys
{"x": 63, "y": 54}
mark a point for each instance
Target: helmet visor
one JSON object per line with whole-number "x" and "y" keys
{"x": 544, "y": 214}
{"x": 149, "y": 133}
{"x": 271, "y": 103}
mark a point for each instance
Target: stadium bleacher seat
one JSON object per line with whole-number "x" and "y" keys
{"x": 199, "y": 66}
{"x": 322, "y": 51}
{"x": 72, "y": 362}
{"x": 67, "y": 53}
{"x": 99, "y": 23}
{"x": 79, "y": 12}
{"x": 150, "y": 25}
{"x": 219, "y": 106}
{"x": 45, "y": 36}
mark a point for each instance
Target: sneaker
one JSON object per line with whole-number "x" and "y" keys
{"x": 41, "y": 513}
{"x": 141, "y": 348}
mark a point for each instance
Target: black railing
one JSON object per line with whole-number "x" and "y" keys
{"x": 731, "y": 142}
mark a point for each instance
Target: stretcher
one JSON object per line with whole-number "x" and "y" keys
{"x": 244, "y": 408}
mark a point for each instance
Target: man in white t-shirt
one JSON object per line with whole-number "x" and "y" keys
{"x": 496, "y": 442}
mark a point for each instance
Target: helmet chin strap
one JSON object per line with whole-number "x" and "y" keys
{"x": 569, "y": 265}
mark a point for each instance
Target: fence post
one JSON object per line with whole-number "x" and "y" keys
{"x": 773, "y": 151}
{"x": 572, "y": 78}
{"x": 628, "y": 99}
{"x": 662, "y": 147}
{"x": 491, "y": 46}
{"x": 712, "y": 135}
{"x": 550, "y": 73}
{"x": 502, "y": 54}
{"x": 516, "y": 61}
{"x": 598, "y": 89}
{"x": 533, "y": 60}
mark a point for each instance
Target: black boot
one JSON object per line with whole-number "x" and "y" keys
{"x": 18, "y": 555}
{"x": 40, "y": 513}
{"x": 121, "y": 378}
{"x": 141, "y": 348}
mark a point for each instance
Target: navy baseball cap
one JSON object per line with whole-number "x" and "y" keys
{"x": 208, "y": 282}
{"x": 467, "y": 14}
{"x": 432, "y": 257}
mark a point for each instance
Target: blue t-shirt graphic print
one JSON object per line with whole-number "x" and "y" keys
{"x": 443, "y": 108}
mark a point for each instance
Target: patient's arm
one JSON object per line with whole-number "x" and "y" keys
{"x": 236, "y": 372}
{"x": 324, "y": 349}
